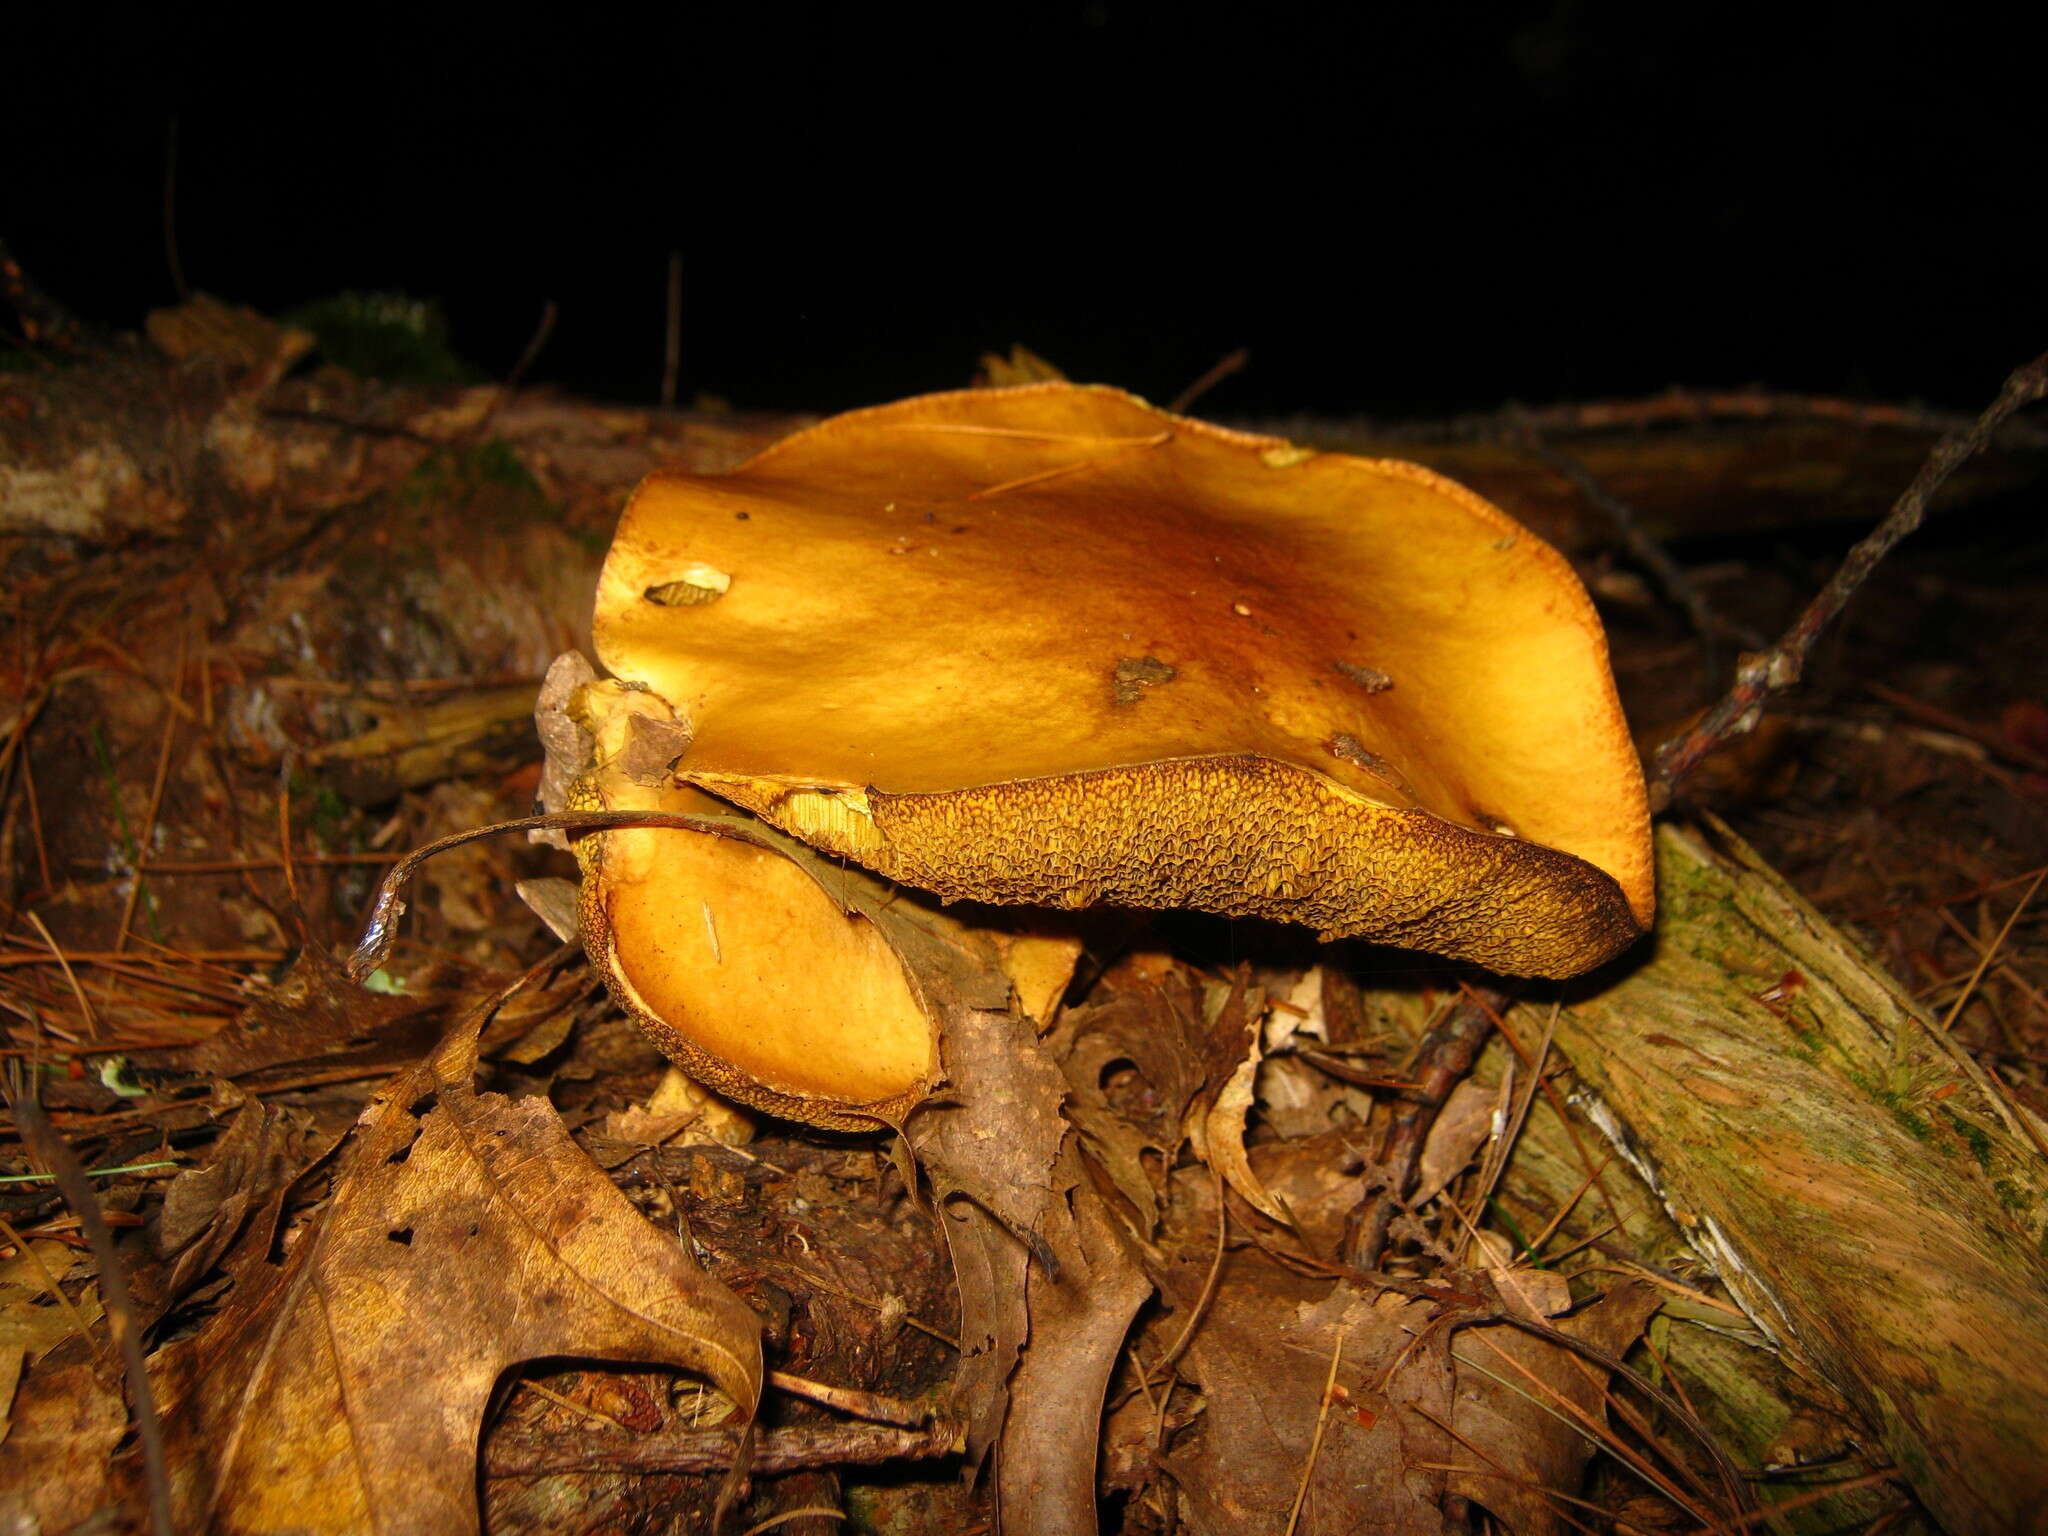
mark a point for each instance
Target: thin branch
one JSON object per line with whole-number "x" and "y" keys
{"x": 171, "y": 259}
{"x": 1446, "y": 1055}
{"x": 1315, "y": 1445}
{"x": 672, "y": 338}
{"x": 1217, "y": 372}
{"x": 510, "y": 1454}
{"x": 1760, "y": 676}
{"x": 1679, "y": 407}
{"x": 876, "y": 1407}
{"x": 1709, "y": 626}
{"x": 1156, "y": 1372}
{"x": 380, "y": 931}
{"x": 51, "y": 1149}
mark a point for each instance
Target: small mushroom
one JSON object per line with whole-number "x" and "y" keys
{"x": 785, "y": 979}
{"x": 1117, "y": 672}
{"x": 750, "y": 963}
{"x": 744, "y": 968}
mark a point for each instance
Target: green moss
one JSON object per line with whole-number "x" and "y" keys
{"x": 328, "y": 813}
{"x": 488, "y": 478}
{"x": 388, "y": 336}
{"x": 497, "y": 463}
{"x": 1915, "y": 1124}
{"x": 1975, "y": 1137}
{"x": 2011, "y": 1196}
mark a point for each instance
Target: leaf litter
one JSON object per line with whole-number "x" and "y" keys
{"x": 1102, "y": 1264}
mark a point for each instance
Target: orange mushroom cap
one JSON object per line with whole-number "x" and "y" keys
{"x": 1050, "y": 645}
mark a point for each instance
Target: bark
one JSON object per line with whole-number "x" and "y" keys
{"x": 1865, "y": 1192}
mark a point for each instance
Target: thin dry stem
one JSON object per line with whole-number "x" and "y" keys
{"x": 1764, "y": 674}
{"x": 1315, "y": 1445}
{"x": 156, "y": 797}
{"x": 92, "y": 1022}
{"x": 51, "y": 1149}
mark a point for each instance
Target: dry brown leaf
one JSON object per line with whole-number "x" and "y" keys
{"x": 989, "y": 1142}
{"x": 1038, "y": 1259}
{"x": 1080, "y": 1309}
{"x": 679, "y": 1104}
{"x": 29, "y": 1274}
{"x": 1297, "y": 1098}
{"x": 1317, "y": 1176}
{"x": 1534, "y": 1446}
{"x": 1262, "y": 1356}
{"x": 205, "y": 1209}
{"x": 345, "y": 1391}
{"x": 1461, "y": 1129}
{"x": 1217, "y": 1131}
{"x": 1534, "y": 1294}
{"x": 1133, "y": 1136}
{"x": 55, "y": 1461}
{"x": 551, "y": 899}
{"x": 11, "y": 1362}
{"x": 313, "y": 1012}
{"x": 36, "y": 1328}
{"x": 1219, "y": 1138}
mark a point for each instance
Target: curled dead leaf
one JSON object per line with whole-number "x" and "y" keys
{"x": 345, "y": 1390}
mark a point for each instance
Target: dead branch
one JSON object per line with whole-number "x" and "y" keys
{"x": 1446, "y": 1055}
{"x": 1644, "y": 550}
{"x": 1760, "y": 676}
{"x": 525, "y": 1453}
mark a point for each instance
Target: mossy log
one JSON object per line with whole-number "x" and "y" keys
{"x": 1763, "y": 1409}
{"x": 1867, "y": 1194}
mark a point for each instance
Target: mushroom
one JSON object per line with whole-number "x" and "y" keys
{"x": 1050, "y": 645}
{"x": 785, "y": 980}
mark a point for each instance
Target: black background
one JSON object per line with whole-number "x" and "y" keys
{"x": 1398, "y": 210}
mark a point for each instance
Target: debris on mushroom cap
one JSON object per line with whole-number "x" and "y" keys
{"x": 1050, "y": 645}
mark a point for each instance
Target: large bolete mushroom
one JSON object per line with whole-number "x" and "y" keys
{"x": 1050, "y": 645}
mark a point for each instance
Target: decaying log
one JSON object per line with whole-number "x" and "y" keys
{"x": 1686, "y": 473}
{"x": 1867, "y": 1195}
{"x": 1764, "y": 1410}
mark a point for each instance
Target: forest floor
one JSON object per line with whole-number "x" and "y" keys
{"x": 269, "y": 627}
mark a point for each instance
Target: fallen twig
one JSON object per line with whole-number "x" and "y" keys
{"x": 1762, "y": 674}
{"x": 380, "y": 929}
{"x": 517, "y": 1454}
{"x": 1217, "y": 372}
{"x": 1446, "y": 1055}
{"x": 1694, "y": 407}
{"x": 1644, "y": 550}
{"x": 54, "y": 1152}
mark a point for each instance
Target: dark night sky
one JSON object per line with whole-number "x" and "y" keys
{"x": 1396, "y": 211}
